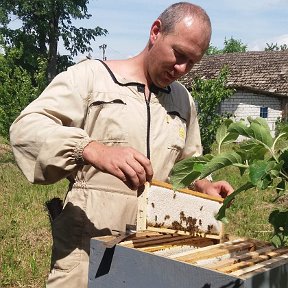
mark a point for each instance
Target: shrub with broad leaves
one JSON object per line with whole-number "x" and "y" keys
{"x": 258, "y": 156}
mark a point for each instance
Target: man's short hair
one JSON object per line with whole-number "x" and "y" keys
{"x": 178, "y": 11}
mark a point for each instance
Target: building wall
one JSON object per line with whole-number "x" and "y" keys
{"x": 243, "y": 104}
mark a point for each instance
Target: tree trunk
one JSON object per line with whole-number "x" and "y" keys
{"x": 52, "y": 50}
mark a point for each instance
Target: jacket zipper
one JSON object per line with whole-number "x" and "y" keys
{"x": 148, "y": 124}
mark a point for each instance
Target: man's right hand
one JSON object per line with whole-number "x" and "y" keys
{"x": 126, "y": 163}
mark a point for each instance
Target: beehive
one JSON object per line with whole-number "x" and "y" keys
{"x": 164, "y": 257}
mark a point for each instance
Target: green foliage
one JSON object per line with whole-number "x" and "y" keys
{"x": 267, "y": 168}
{"x": 230, "y": 46}
{"x": 16, "y": 89}
{"x": 44, "y": 23}
{"x": 186, "y": 171}
{"x": 208, "y": 95}
{"x": 279, "y": 220}
{"x": 213, "y": 50}
{"x": 29, "y": 58}
{"x": 275, "y": 47}
{"x": 281, "y": 123}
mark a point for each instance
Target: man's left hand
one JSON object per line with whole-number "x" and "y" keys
{"x": 218, "y": 189}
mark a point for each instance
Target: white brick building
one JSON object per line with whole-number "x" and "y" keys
{"x": 260, "y": 79}
{"x": 243, "y": 104}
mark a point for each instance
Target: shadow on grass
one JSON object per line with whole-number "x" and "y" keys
{"x": 71, "y": 232}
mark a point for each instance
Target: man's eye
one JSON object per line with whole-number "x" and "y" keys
{"x": 183, "y": 58}
{"x": 177, "y": 54}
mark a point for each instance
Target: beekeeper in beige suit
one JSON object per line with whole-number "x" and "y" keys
{"x": 109, "y": 127}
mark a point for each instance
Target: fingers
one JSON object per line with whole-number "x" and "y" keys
{"x": 127, "y": 164}
{"x": 138, "y": 170}
{"x": 217, "y": 189}
{"x": 135, "y": 174}
{"x": 225, "y": 188}
{"x": 146, "y": 164}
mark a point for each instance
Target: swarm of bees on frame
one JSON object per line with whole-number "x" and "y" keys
{"x": 185, "y": 223}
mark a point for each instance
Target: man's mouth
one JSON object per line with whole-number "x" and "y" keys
{"x": 170, "y": 77}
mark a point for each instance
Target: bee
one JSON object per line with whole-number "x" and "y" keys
{"x": 167, "y": 217}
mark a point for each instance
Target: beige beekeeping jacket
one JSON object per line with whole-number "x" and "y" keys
{"x": 89, "y": 102}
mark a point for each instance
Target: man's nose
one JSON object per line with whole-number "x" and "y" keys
{"x": 182, "y": 68}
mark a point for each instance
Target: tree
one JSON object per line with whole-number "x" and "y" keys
{"x": 208, "y": 95}
{"x": 16, "y": 88}
{"x": 275, "y": 47}
{"x": 213, "y": 50}
{"x": 44, "y": 23}
{"x": 230, "y": 46}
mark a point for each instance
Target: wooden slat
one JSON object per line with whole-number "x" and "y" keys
{"x": 282, "y": 261}
{"x": 154, "y": 241}
{"x": 187, "y": 191}
{"x": 264, "y": 264}
{"x": 146, "y": 233}
{"x": 195, "y": 243}
{"x": 142, "y": 209}
{"x": 208, "y": 248}
{"x": 150, "y": 239}
{"x": 252, "y": 261}
{"x": 194, "y": 257}
{"x": 172, "y": 231}
{"x": 238, "y": 258}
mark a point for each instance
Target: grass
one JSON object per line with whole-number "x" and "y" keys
{"x": 248, "y": 215}
{"x": 25, "y": 234}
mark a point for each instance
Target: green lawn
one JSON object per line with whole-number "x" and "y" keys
{"x": 25, "y": 236}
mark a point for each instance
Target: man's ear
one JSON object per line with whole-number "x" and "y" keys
{"x": 155, "y": 30}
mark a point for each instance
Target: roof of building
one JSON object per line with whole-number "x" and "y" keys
{"x": 262, "y": 71}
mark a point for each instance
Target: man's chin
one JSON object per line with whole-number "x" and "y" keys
{"x": 164, "y": 83}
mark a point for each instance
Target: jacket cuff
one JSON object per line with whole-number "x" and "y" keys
{"x": 78, "y": 151}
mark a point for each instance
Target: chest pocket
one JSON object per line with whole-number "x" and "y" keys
{"x": 176, "y": 125}
{"x": 107, "y": 120}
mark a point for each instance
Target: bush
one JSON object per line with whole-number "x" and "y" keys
{"x": 208, "y": 94}
{"x": 280, "y": 125}
{"x": 16, "y": 89}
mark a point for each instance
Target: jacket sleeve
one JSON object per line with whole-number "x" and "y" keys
{"x": 48, "y": 136}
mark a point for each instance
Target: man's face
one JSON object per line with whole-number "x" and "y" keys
{"x": 172, "y": 56}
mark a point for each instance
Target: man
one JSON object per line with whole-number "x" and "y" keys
{"x": 109, "y": 127}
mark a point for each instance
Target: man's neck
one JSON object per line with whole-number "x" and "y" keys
{"x": 132, "y": 69}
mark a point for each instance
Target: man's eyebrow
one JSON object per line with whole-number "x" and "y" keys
{"x": 189, "y": 55}
{"x": 182, "y": 51}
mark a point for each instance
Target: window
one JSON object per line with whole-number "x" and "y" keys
{"x": 264, "y": 112}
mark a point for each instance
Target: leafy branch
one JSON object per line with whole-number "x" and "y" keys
{"x": 265, "y": 166}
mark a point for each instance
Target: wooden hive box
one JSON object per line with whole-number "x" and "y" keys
{"x": 196, "y": 258}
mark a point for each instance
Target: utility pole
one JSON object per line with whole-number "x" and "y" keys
{"x": 103, "y": 47}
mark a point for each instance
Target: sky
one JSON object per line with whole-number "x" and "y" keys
{"x": 254, "y": 22}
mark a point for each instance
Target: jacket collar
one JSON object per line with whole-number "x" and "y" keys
{"x": 140, "y": 86}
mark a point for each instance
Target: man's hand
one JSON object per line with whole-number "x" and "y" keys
{"x": 217, "y": 189}
{"x": 127, "y": 164}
